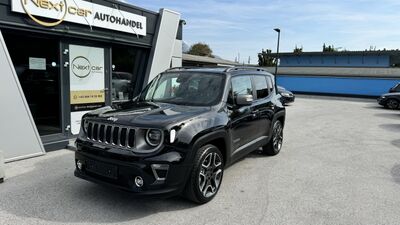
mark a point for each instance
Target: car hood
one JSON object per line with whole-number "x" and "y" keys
{"x": 391, "y": 94}
{"x": 147, "y": 114}
{"x": 285, "y": 91}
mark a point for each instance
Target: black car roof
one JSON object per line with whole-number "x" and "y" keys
{"x": 198, "y": 69}
{"x": 224, "y": 70}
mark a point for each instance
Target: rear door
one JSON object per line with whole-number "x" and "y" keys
{"x": 263, "y": 108}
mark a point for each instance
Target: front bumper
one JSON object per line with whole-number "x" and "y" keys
{"x": 381, "y": 101}
{"x": 164, "y": 176}
{"x": 288, "y": 99}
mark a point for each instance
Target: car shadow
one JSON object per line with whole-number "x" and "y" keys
{"x": 252, "y": 155}
{"x": 256, "y": 154}
{"x": 374, "y": 106}
{"x": 391, "y": 127}
{"x": 388, "y": 115}
{"x": 377, "y": 106}
{"x": 53, "y": 194}
{"x": 396, "y": 143}
{"x": 395, "y": 172}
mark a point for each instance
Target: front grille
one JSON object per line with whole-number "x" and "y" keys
{"x": 111, "y": 134}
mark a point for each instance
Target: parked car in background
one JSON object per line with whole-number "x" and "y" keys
{"x": 287, "y": 96}
{"x": 390, "y": 100}
{"x": 395, "y": 88}
{"x": 181, "y": 132}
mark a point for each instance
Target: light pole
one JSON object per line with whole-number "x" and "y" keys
{"x": 277, "y": 53}
{"x": 277, "y": 50}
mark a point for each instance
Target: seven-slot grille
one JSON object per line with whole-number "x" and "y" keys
{"x": 111, "y": 134}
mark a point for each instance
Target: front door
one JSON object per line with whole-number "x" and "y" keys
{"x": 244, "y": 124}
{"x": 89, "y": 80}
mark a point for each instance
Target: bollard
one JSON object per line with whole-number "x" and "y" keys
{"x": 2, "y": 174}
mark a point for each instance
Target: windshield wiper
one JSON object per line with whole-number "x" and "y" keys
{"x": 152, "y": 103}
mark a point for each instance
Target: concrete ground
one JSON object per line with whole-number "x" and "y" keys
{"x": 340, "y": 164}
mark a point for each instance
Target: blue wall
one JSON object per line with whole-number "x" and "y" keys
{"x": 337, "y": 85}
{"x": 335, "y": 60}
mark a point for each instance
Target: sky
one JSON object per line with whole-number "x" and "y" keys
{"x": 245, "y": 27}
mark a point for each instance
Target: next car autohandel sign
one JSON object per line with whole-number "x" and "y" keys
{"x": 82, "y": 12}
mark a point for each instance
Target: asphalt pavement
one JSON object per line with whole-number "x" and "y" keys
{"x": 340, "y": 164}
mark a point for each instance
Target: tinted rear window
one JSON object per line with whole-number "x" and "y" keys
{"x": 261, "y": 86}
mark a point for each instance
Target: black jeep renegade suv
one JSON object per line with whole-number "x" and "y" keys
{"x": 181, "y": 132}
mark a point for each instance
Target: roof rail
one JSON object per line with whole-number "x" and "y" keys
{"x": 179, "y": 68}
{"x": 193, "y": 67}
{"x": 244, "y": 68}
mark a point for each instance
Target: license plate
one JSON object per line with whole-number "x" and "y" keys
{"x": 102, "y": 169}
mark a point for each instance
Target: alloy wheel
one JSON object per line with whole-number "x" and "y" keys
{"x": 277, "y": 137}
{"x": 392, "y": 104}
{"x": 210, "y": 174}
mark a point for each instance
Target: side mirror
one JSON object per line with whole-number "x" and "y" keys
{"x": 243, "y": 100}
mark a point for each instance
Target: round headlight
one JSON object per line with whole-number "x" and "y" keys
{"x": 153, "y": 137}
{"x": 85, "y": 125}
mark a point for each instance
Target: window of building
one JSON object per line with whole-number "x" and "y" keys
{"x": 122, "y": 73}
{"x": 128, "y": 68}
{"x": 36, "y": 61}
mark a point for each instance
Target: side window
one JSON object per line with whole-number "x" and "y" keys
{"x": 270, "y": 84}
{"x": 242, "y": 86}
{"x": 260, "y": 83}
{"x": 398, "y": 87}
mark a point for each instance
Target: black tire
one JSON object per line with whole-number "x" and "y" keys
{"x": 210, "y": 163}
{"x": 275, "y": 143}
{"x": 392, "y": 103}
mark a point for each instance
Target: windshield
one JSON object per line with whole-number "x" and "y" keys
{"x": 199, "y": 89}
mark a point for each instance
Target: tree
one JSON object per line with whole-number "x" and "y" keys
{"x": 297, "y": 49}
{"x": 264, "y": 58}
{"x": 200, "y": 49}
{"x": 328, "y": 49}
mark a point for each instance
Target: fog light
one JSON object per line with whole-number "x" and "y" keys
{"x": 160, "y": 171}
{"x": 139, "y": 181}
{"x": 79, "y": 164}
